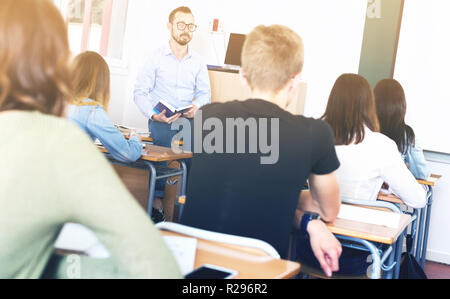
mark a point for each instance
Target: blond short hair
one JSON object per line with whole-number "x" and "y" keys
{"x": 271, "y": 56}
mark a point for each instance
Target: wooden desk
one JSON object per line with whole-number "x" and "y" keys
{"x": 434, "y": 178}
{"x": 156, "y": 153}
{"x": 370, "y": 232}
{"x": 423, "y": 216}
{"x": 250, "y": 263}
{"x": 390, "y": 198}
{"x": 146, "y": 139}
{"x": 365, "y": 234}
{"x": 152, "y": 154}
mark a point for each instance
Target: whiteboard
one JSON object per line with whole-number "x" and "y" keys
{"x": 423, "y": 68}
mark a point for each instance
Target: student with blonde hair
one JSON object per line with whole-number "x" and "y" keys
{"x": 50, "y": 172}
{"x": 91, "y": 83}
{"x": 242, "y": 195}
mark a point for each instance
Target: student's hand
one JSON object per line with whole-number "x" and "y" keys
{"x": 163, "y": 119}
{"x": 325, "y": 246}
{"x": 191, "y": 112}
{"x": 135, "y": 134}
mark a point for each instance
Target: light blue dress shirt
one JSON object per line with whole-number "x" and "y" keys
{"x": 96, "y": 123}
{"x": 180, "y": 83}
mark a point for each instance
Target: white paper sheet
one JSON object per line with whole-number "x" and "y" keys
{"x": 369, "y": 216}
{"x": 77, "y": 237}
{"x": 184, "y": 250}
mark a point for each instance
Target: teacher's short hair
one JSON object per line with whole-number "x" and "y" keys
{"x": 183, "y": 9}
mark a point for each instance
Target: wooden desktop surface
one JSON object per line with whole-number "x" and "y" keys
{"x": 144, "y": 138}
{"x": 156, "y": 153}
{"x": 431, "y": 181}
{"x": 369, "y": 232}
{"x": 250, "y": 263}
{"x": 434, "y": 178}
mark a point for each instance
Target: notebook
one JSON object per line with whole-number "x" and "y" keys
{"x": 370, "y": 216}
{"x": 78, "y": 238}
{"x": 170, "y": 110}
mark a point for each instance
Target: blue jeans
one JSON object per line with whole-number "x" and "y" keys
{"x": 162, "y": 135}
{"x": 351, "y": 262}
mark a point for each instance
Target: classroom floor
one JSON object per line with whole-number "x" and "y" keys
{"x": 137, "y": 183}
{"x": 437, "y": 271}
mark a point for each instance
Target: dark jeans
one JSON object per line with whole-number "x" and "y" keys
{"x": 162, "y": 135}
{"x": 351, "y": 262}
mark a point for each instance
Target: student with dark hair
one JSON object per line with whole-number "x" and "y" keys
{"x": 391, "y": 110}
{"x": 50, "y": 172}
{"x": 368, "y": 158}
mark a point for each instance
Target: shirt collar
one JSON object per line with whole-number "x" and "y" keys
{"x": 168, "y": 51}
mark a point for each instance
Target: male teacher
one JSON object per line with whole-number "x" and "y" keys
{"x": 179, "y": 76}
{"x": 176, "y": 74}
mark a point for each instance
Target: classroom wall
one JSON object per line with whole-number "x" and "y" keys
{"x": 146, "y": 30}
{"x": 332, "y": 33}
{"x": 378, "y": 61}
{"x": 439, "y": 239}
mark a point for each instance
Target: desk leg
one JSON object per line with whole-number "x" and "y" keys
{"x": 420, "y": 234}
{"x": 183, "y": 188}
{"x": 398, "y": 255}
{"x": 427, "y": 227}
{"x": 151, "y": 187}
{"x": 414, "y": 231}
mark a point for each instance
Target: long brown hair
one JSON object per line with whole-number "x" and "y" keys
{"x": 350, "y": 108}
{"x": 34, "y": 52}
{"x": 391, "y": 110}
{"x": 91, "y": 78}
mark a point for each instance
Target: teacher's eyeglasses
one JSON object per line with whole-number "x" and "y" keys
{"x": 182, "y": 26}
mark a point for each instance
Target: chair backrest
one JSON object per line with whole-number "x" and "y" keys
{"x": 219, "y": 237}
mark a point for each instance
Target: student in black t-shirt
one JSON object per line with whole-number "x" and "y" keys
{"x": 253, "y": 157}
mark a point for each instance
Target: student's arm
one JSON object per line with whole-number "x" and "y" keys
{"x": 93, "y": 195}
{"x": 417, "y": 163}
{"x": 117, "y": 145}
{"x": 144, "y": 85}
{"x": 395, "y": 173}
{"x": 323, "y": 197}
{"x": 326, "y": 248}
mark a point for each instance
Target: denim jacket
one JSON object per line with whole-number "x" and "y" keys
{"x": 416, "y": 161}
{"x": 96, "y": 123}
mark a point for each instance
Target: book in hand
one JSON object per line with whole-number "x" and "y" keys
{"x": 170, "y": 110}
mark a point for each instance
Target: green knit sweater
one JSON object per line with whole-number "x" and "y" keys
{"x": 51, "y": 174}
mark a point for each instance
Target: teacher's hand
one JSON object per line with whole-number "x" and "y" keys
{"x": 163, "y": 119}
{"x": 191, "y": 112}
